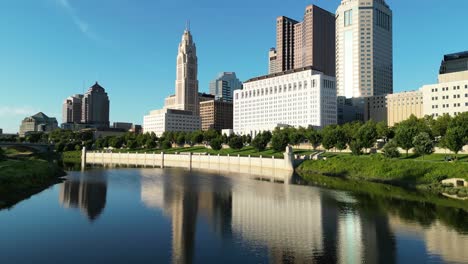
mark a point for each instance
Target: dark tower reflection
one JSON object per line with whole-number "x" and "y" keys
{"x": 88, "y": 194}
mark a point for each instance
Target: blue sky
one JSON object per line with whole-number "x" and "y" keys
{"x": 51, "y": 49}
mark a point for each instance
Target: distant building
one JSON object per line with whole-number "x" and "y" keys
{"x": 71, "y": 109}
{"x": 448, "y": 96}
{"x": 272, "y": 61}
{"x": 181, "y": 111}
{"x": 285, "y": 43}
{"x": 307, "y": 43}
{"x": 456, "y": 62}
{"x": 95, "y": 107}
{"x": 122, "y": 125}
{"x": 186, "y": 83}
{"x": 299, "y": 98}
{"x": 1, "y": 131}
{"x": 202, "y": 97}
{"x": 216, "y": 115}
{"x": 224, "y": 85}
{"x": 38, "y": 123}
{"x": 349, "y": 110}
{"x": 364, "y": 48}
{"x": 160, "y": 121}
{"x": 137, "y": 129}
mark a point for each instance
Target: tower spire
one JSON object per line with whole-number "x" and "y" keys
{"x": 187, "y": 25}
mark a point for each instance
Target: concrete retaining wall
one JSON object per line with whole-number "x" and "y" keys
{"x": 276, "y": 168}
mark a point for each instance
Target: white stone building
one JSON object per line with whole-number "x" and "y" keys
{"x": 159, "y": 121}
{"x": 300, "y": 98}
{"x": 364, "y": 49}
{"x": 449, "y": 96}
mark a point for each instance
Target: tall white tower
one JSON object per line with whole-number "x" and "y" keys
{"x": 186, "y": 94}
{"x": 364, "y": 48}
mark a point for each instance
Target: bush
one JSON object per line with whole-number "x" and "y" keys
{"x": 390, "y": 150}
{"x": 132, "y": 144}
{"x": 356, "y": 147}
{"x": 260, "y": 142}
{"x": 216, "y": 143}
{"x": 166, "y": 144}
{"x": 279, "y": 141}
{"x": 236, "y": 143}
{"x": 2, "y": 154}
{"x": 150, "y": 143}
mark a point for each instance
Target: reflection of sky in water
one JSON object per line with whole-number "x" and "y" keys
{"x": 172, "y": 216}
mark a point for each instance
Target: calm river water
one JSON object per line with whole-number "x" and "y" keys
{"x": 176, "y": 216}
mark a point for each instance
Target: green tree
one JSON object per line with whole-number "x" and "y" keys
{"x": 261, "y": 141}
{"x": 356, "y": 147}
{"x": 210, "y": 134}
{"x": 383, "y": 131}
{"x": 150, "y": 143}
{"x": 314, "y": 137}
{"x": 341, "y": 139}
{"x": 454, "y": 139}
{"x": 166, "y": 144}
{"x": 236, "y": 143}
{"x": 59, "y": 146}
{"x": 180, "y": 139}
{"x": 329, "y": 137}
{"x": 279, "y": 140}
{"x": 115, "y": 142}
{"x": 197, "y": 137}
{"x": 423, "y": 144}
{"x": 390, "y": 150}
{"x": 367, "y": 135}
{"x": 440, "y": 125}
{"x": 408, "y": 129}
{"x": 216, "y": 143}
{"x": 295, "y": 137}
{"x": 2, "y": 154}
{"x": 132, "y": 144}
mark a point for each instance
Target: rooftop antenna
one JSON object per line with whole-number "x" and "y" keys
{"x": 187, "y": 25}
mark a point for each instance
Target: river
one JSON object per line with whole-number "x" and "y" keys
{"x": 177, "y": 216}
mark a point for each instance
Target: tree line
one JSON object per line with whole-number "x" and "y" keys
{"x": 419, "y": 134}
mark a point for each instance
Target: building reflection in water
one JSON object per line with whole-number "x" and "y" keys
{"x": 297, "y": 224}
{"x": 87, "y": 193}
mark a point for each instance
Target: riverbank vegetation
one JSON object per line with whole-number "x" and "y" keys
{"x": 24, "y": 174}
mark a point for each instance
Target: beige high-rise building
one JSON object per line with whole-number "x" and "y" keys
{"x": 71, "y": 109}
{"x": 364, "y": 49}
{"x": 307, "y": 43}
{"x": 186, "y": 91}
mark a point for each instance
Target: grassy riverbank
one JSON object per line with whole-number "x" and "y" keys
{"x": 409, "y": 173}
{"x": 22, "y": 177}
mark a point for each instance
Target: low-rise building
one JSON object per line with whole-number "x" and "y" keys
{"x": 299, "y": 98}
{"x": 39, "y": 122}
{"x": 216, "y": 115}
{"x": 160, "y": 121}
{"x": 122, "y": 125}
{"x": 350, "y": 109}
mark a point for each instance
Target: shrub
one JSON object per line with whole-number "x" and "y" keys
{"x": 390, "y": 150}
{"x": 166, "y": 144}
{"x": 216, "y": 143}
{"x": 279, "y": 141}
{"x": 236, "y": 143}
{"x": 150, "y": 143}
{"x": 356, "y": 147}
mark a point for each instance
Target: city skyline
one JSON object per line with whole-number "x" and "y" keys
{"x": 144, "y": 65}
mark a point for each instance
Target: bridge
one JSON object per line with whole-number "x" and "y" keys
{"x": 41, "y": 148}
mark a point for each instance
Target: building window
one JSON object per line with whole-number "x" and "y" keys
{"x": 348, "y": 18}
